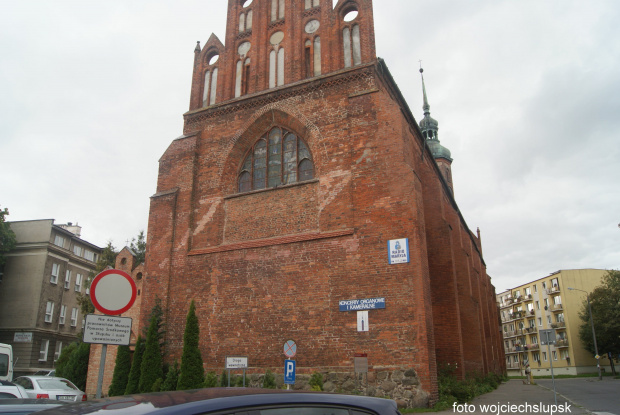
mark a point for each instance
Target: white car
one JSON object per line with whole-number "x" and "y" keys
{"x": 47, "y": 387}
{"x": 11, "y": 390}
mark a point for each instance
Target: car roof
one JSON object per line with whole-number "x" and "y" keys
{"x": 216, "y": 399}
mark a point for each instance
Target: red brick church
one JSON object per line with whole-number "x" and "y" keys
{"x": 304, "y": 202}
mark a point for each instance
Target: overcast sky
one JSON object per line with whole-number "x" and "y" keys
{"x": 526, "y": 92}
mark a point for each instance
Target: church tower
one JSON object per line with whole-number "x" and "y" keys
{"x": 273, "y": 43}
{"x": 430, "y": 127}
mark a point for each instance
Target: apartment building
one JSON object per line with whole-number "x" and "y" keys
{"x": 548, "y": 303}
{"x": 41, "y": 280}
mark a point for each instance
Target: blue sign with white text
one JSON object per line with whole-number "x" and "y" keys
{"x": 363, "y": 304}
{"x": 289, "y": 372}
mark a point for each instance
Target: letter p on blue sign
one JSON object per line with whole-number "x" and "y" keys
{"x": 289, "y": 372}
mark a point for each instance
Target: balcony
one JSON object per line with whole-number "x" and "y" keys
{"x": 558, "y": 325}
{"x": 518, "y": 314}
{"x": 509, "y": 334}
{"x": 527, "y": 297}
{"x": 517, "y": 299}
{"x": 557, "y": 307}
{"x": 561, "y": 343}
{"x": 553, "y": 290}
{"x": 535, "y": 346}
{"x": 531, "y": 330}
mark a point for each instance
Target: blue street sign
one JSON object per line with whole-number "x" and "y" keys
{"x": 289, "y": 372}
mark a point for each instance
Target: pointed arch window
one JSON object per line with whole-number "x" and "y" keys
{"x": 278, "y": 158}
{"x": 209, "y": 91}
{"x": 277, "y": 10}
{"x": 352, "y": 46}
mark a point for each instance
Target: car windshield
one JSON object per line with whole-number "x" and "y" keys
{"x": 56, "y": 384}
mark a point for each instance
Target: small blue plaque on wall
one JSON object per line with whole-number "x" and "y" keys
{"x": 398, "y": 251}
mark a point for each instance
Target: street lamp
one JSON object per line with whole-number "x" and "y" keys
{"x": 598, "y": 363}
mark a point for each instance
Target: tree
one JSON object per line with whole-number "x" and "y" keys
{"x": 151, "y": 366}
{"x": 172, "y": 378}
{"x": 134, "y": 374}
{"x": 605, "y": 305}
{"x": 192, "y": 373}
{"x": 7, "y": 236}
{"x": 76, "y": 368}
{"x": 63, "y": 359}
{"x": 121, "y": 372}
{"x": 138, "y": 246}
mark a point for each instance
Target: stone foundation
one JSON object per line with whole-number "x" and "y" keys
{"x": 401, "y": 385}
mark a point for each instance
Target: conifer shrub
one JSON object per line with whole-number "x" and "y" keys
{"x": 121, "y": 372}
{"x": 224, "y": 379}
{"x": 172, "y": 378}
{"x": 151, "y": 365}
{"x": 192, "y": 372}
{"x": 133, "y": 381}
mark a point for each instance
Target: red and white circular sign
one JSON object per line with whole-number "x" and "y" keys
{"x": 113, "y": 292}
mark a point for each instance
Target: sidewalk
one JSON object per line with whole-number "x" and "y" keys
{"x": 527, "y": 399}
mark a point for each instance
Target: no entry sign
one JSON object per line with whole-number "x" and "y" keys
{"x": 113, "y": 292}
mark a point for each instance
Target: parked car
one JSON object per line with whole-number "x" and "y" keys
{"x": 26, "y": 406}
{"x": 45, "y": 373}
{"x": 11, "y": 390}
{"x": 232, "y": 401}
{"x": 48, "y": 387}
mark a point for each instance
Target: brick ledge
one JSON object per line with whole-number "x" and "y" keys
{"x": 280, "y": 240}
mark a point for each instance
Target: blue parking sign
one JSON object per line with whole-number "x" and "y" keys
{"x": 289, "y": 372}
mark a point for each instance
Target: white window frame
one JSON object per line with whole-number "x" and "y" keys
{"x": 49, "y": 312}
{"x": 55, "y": 272}
{"x": 45, "y": 344}
{"x": 58, "y": 350}
{"x": 89, "y": 255}
{"x": 78, "y": 250}
{"x": 59, "y": 241}
{"x": 67, "y": 279}
{"x": 63, "y": 314}
{"x": 78, "y": 283}
{"x": 74, "y": 317}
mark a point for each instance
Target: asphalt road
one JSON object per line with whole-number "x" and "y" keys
{"x": 589, "y": 393}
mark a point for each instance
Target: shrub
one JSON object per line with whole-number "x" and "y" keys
{"x": 121, "y": 372}
{"x": 192, "y": 372}
{"x": 134, "y": 374}
{"x": 172, "y": 378}
{"x": 269, "y": 381}
{"x": 224, "y": 379}
{"x": 151, "y": 365}
{"x": 316, "y": 381}
{"x": 210, "y": 380}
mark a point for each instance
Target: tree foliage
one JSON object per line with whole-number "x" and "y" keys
{"x": 134, "y": 374}
{"x": 151, "y": 366}
{"x": 605, "y": 304}
{"x": 7, "y": 236}
{"x": 121, "y": 372}
{"x": 192, "y": 372}
{"x": 76, "y": 367}
{"x": 172, "y": 378}
{"x": 63, "y": 359}
{"x": 138, "y": 246}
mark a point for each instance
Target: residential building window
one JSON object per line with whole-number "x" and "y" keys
{"x": 564, "y": 354}
{"x": 59, "y": 241}
{"x": 537, "y": 305}
{"x": 532, "y": 323}
{"x": 78, "y": 283}
{"x": 534, "y": 339}
{"x": 528, "y": 292}
{"x": 55, "y": 273}
{"x": 49, "y": 311}
{"x": 546, "y": 301}
{"x": 544, "y": 284}
{"x": 549, "y": 319}
{"x": 554, "y": 282}
{"x": 58, "y": 350}
{"x": 544, "y": 355}
{"x": 45, "y": 344}
{"x": 63, "y": 313}
{"x": 540, "y": 321}
{"x": 89, "y": 255}
{"x": 78, "y": 250}
{"x": 67, "y": 279}
{"x": 555, "y": 355}
{"x": 536, "y": 357}
{"x": 535, "y": 288}
{"x": 273, "y": 162}
{"x": 74, "y": 317}
{"x": 559, "y": 318}
{"x": 557, "y": 300}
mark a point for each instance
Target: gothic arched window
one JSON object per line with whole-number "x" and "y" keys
{"x": 279, "y": 157}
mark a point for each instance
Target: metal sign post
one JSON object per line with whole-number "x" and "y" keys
{"x": 112, "y": 292}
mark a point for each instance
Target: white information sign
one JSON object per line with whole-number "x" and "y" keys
{"x": 107, "y": 330}
{"x": 22, "y": 337}
{"x": 398, "y": 251}
{"x": 362, "y": 320}
{"x": 236, "y": 362}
